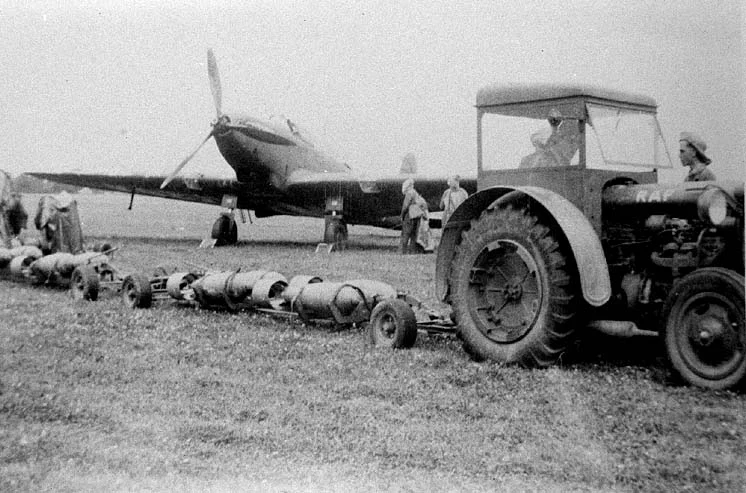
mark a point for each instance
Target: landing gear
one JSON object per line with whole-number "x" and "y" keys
{"x": 225, "y": 230}
{"x": 335, "y": 232}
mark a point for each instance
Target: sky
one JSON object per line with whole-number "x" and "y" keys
{"x": 121, "y": 87}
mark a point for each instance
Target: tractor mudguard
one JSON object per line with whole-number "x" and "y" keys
{"x": 586, "y": 248}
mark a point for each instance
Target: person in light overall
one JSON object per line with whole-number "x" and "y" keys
{"x": 452, "y": 197}
{"x": 411, "y": 214}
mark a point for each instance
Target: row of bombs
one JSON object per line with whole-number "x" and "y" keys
{"x": 390, "y": 315}
{"x": 84, "y": 273}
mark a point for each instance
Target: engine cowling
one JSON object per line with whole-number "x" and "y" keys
{"x": 712, "y": 202}
{"x": 654, "y": 234}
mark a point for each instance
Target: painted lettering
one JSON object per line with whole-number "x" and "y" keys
{"x": 654, "y": 195}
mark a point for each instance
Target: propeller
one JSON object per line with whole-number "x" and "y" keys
{"x": 214, "y": 75}
{"x": 254, "y": 129}
{"x": 181, "y": 165}
{"x": 217, "y": 96}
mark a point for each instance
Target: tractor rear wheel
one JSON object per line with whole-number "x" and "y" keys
{"x": 704, "y": 328}
{"x": 513, "y": 290}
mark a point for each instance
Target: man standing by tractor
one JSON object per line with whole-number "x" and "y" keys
{"x": 692, "y": 153}
{"x": 452, "y": 197}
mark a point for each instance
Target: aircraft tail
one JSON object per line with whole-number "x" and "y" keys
{"x": 408, "y": 164}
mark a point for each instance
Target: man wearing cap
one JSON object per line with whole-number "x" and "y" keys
{"x": 692, "y": 153}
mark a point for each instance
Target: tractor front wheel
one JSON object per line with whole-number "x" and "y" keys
{"x": 704, "y": 328}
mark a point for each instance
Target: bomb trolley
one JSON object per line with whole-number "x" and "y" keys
{"x": 393, "y": 318}
{"x": 85, "y": 274}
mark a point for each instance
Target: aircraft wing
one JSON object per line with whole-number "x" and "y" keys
{"x": 430, "y": 187}
{"x": 206, "y": 190}
{"x": 373, "y": 201}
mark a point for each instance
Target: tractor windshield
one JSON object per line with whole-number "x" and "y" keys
{"x": 621, "y": 138}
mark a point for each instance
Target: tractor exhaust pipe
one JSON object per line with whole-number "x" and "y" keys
{"x": 619, "y": 328}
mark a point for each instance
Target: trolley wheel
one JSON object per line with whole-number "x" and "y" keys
{"x": 136, "y": 291}
{"x": 84, "y": 283}
{"x": 393, "y": 324}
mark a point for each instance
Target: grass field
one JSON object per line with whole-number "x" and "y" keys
{"x": 96, "y": 397}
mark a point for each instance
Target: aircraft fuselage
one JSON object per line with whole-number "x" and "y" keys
{"x": 265, "y": 154}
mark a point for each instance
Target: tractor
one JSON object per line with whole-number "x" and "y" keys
{"x": 570, "y": 229}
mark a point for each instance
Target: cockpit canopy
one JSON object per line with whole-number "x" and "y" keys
{"x": 548, "y": 125}
{"x": 284, "y": 124}
{"x": 275, "y": 129}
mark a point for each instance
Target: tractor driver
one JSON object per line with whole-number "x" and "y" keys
{"x": 564, "y": 141}
{"x": 558, "y": 147}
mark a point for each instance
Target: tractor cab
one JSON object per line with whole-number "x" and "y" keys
{"x": 566, "y": 138}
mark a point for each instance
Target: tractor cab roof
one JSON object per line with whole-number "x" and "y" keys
{"x": 537, "y": 100}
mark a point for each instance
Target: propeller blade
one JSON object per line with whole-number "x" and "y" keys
{"x": 212, "y": 73}
{"x": 181, "y": 165}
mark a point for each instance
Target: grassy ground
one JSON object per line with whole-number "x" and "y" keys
{"x": 94, "y": 396}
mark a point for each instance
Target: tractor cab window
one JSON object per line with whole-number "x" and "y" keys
{"x": 510, "y": 142}
{"x": 623, "y": 139}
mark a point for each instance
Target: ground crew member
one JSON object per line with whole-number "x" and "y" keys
{"x": 692, "y": 153}
{"x": 452, "y": 197}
